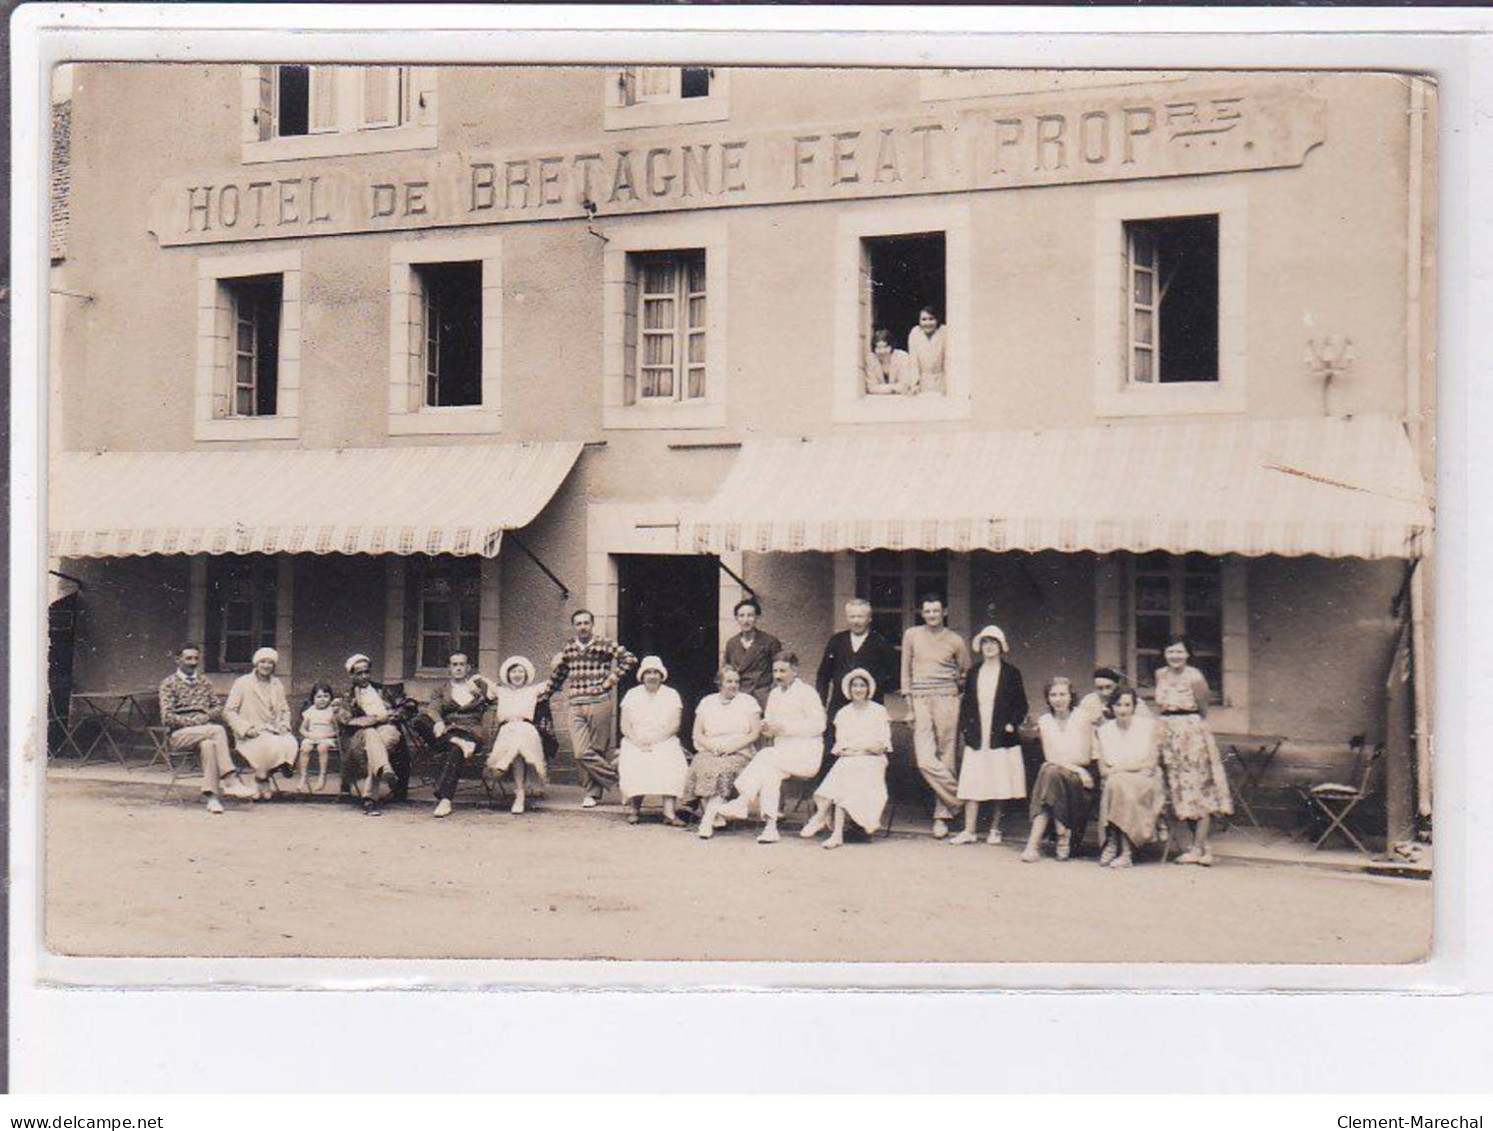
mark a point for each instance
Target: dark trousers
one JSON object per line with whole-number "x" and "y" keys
{"x": 450, "y": 758}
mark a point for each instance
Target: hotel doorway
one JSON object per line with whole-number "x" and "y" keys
{"x": 667, "y": 606}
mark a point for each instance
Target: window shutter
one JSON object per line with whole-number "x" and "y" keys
{"x": 323, "y": 99}
{"x": 264, "y": 108}
{"x": 630, "y": 334}
{"x": 867, "y": 311}
{"x": 381, "y": 101}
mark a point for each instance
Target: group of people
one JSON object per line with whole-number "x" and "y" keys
{"x": 919, "y": 368}
{"x": 763, "y": 727}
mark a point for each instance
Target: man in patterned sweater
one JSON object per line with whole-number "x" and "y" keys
{"x": 192, "y": 715}
{"x": 592, "y": 666}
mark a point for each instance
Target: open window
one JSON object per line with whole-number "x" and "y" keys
{"x": 901, "y": 276}
{"x": 315, "y": 110}
{"x": 450, "y": 302}
{"x": 1173, "y": 296}
{"x": 656, "y": 96}
{"x": 254, "y": 303}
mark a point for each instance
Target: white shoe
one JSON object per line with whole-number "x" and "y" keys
{"x": 815, "y": 826}
{"x": 706, "y": 830}
{"x": 940, "y": 828}
{"x": 518, "y": 806}
{"x": 235, "y": 786}
{"x": 769, "y": 834}
{"x": 966, "y": 837}
{"x": 994, "y": 837}
{"x": 443, "y": 807}
{"x": 588, "y": 802}
{"x": 214, "y": 805}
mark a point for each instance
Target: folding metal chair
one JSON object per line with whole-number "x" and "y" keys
{"x": 1337, "y": 800}
{"x": 175, "y": 761}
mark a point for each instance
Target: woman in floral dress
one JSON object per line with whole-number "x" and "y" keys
{"x": 1196, "y": 785}
{"x": 727, "y": 726}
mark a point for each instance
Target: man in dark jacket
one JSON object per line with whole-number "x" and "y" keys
{"x": 859, "y": 646}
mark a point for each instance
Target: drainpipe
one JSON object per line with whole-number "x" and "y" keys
{"x": 1399, "y": 784}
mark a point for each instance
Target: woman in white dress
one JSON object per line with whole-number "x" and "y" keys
{"x": 856, "y": 784}
{"x": 991, "y": 715}
{"x": 650, "y": 761}
{"x": 1133, "y": 795}
{"x": 1064, "y": 790}
{"x": 794, "y": 720}
{"x": 518, "y": 747}
{"x": 259, "y": 716}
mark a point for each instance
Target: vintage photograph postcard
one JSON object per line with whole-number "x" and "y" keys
{"x": 740, "y": 513}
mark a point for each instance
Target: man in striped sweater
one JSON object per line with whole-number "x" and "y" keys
{"x": 590, "y": 667}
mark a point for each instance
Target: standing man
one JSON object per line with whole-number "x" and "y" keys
{"x": 194, "y": 719}
{"x": 751, "y": 651}
{"x": 593, "y": 666}
{"x": 859, "y": 646}
{"x": 934, "y": 662}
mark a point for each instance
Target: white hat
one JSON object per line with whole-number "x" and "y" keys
{"x": 354, "y": 660}
{"x": 266, "y": 654}
{"x": 652, "y": 663}
{"x": 520, "y": 662}
{"x": 995, "y": 633}
{"x": 859, "y": 673}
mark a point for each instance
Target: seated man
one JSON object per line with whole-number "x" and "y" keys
{"x": 795, "y": 721}
{"x": 458, "y": 720}
{"x": 375, "y": 748}
{"x": 192, "y": 715}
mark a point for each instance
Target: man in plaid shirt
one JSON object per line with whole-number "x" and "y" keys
{"x": 592, "y": 667}
{"x": 193, "y": 717}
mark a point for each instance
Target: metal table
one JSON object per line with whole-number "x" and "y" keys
{"x": 122, "y": 712}
{"x": 1253, "y": 755}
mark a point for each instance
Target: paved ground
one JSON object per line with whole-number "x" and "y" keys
{"x": 128, "y": 875}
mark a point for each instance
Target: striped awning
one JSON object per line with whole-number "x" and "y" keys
{"x": 1330, "y": 486}
{"x": 451, "y": 500}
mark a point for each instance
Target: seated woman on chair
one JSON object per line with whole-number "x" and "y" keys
{"x": 519, "y": 747}
{"x": 856, "y": 784}
{"x": 650, "y": 760}
{"x": 1133, "y": 794}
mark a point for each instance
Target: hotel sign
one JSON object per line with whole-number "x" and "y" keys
{"x": 1076, "y": 138}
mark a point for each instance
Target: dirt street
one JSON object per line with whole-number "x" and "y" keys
{"x": 130, "y": 876}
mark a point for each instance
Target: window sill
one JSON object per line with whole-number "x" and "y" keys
{"x": 683, "y": 111}
{"x": 391, "y": 140}
{"x": 664, "y": 417}
{"x": 247, "y": 428}
{"x": 874, "y": 410}
{"x": 1162, "y": 400}
{"x": 446, "y": 422}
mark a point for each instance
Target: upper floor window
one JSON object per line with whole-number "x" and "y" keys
{"x": 669, "y": 344}
{"x": 1172, "y": 278}
{"x": 451, "y": 335}
{"x": 903, "y": 291}
{"x": 658, "y": 96}
{"x": 255, "y": 303}
{"x": 301, "y": 110}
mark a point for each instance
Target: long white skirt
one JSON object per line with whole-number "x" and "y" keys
{"x": 857, "y": 783}
{"x": 659, "y": 772}
{"x": 517, "y": 739}
{"x": 992, "y": 775}
{"x": 267, "y": 752}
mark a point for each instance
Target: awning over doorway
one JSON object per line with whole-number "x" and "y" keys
{"x": 1331, "y": 486}
{"x": 448, "y": 500}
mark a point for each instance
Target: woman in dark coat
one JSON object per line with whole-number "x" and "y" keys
{"x": 991, "y": 713}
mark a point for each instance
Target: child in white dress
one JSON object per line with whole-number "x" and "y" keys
{"x": 318, "y": 734}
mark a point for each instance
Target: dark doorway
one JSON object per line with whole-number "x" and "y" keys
{"x": 667, "y": 607}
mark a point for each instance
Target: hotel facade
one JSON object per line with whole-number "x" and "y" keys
{"x": 401, "y": 360}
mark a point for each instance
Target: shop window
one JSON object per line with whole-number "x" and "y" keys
{"x": 1172, "y": 284}
{"x": 447, "y": 606}
{"x": 667, "y": 346}
{"x": 895, "y": 583}
{"x": 450, "y": 299}
{"x": 241, "y": 606}
{"x": 254, "y": 304}
{"x": 1169, "y": 595}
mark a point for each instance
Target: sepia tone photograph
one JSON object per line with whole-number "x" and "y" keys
{"x": 741, "y": 514}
